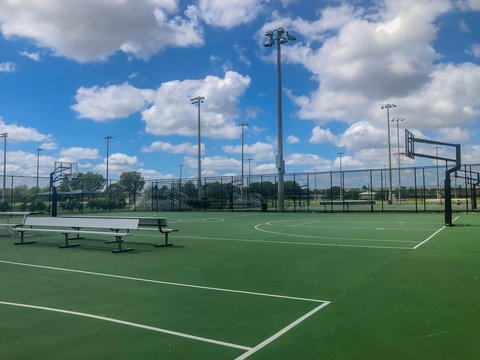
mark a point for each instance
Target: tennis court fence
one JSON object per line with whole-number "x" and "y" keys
{"x": 418, "y": 189}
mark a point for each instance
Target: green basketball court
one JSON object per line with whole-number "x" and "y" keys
{"x": 250, "y": 285}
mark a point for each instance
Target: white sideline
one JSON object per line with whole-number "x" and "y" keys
{"x": 435, "y": 233}
{"x": 292, "y": 243}
{"x": 163, "y": 282}
{"x": 280, "y": 333}
{"x": 128, "y": 323}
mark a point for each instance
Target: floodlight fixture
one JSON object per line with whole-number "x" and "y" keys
{"x": 269, "y": 42}
{"x": 277, "y": 35}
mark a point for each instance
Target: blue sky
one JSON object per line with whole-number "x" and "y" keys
{"x": 73, "y": 72}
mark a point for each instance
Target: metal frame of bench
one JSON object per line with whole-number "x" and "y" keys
{"x": 75, "y": 226}
{"x": 152, "y": 221}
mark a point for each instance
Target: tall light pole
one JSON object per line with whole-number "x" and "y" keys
{"x": 398, "y": 159}
{"x": 180, "y": 166}
{"x": 243, "y": 124}
{"x": 436, "y": 147}
{"x": 38, "y": 163}
{"x": 4, "y": 135}
{"x": 388, "y": 106}
{"x": 278, "y": 36}
{"x": 197, "y": 101}
{"x": 341, "y": 175}
{"x": 249, "y": 172}
{"x": 108, "y": 155}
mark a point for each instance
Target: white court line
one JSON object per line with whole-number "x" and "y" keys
{"x": 350, "y": 227}
{"x": 431, "y": 236}
{"x": 291, "y": 242}
{"x": 256, "y": 348}
{"x": 128, "y": 323}
{"x": 257, "y": 227}
{"x": 161, "y": 282}
{"x": 280, "y": 333}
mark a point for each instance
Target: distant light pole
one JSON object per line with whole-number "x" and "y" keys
{"x": 108, "y": 155}
{"x": 436, "y": 147}
{"x": 38, "y": 163}
{"x": 243, "y": 124}
{"x": 197, "y": 101}
{"x": 341, "y": 175}
{"x": 4, "y": 135}
{"x": 180, "y": 166}
{"x": 398, "y": 160}
{"x": 249, "y": 173}
{"x": 277, "y": 35}
{"x": 388, "y": 106}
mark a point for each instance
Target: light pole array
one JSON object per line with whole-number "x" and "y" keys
{"x": 398, "y": 159}
{"x": 243, "y": 124}
{"x": 436, "y": 147}
{"x": 388, "y": 107}
{"x": 4, "y": 135}
{"x": 197, "y": 101}
{"x": 38, "y": 164}
{"x": 341, "y": 175}
{"x": 278, "y": 36}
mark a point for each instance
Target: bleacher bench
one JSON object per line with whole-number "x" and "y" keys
{"x": 148, "y": 221}
{"x": 115, "y": 228}
{"x": 346, "y": 203}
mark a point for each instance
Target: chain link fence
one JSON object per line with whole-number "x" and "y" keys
{"x": 421, "y": 190}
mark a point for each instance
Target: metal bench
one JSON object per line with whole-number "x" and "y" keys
{"x": 77, "y": 226}
{"x": 11, "y": 227}
{"x": 147, "y": 221}
{"x": 346, "y": 203}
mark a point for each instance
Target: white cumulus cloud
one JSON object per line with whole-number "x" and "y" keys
{"x": 91, "y": 30}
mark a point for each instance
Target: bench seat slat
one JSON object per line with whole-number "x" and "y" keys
{"x": 66, "y": 231}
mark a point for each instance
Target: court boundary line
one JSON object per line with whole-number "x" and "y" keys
{"x": 291, "y": 242}
{"x": 249, "y": 350}
{"x": 281, "y": 332}
{"x": 128, "y": 323}
{"x": 431, "y": 236}
{"x": 257, "y": 227}
{"x": 163, "y": 282}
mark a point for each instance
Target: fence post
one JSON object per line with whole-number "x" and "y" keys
{"x": 371, "y": 192}
{"x": 415, "y": 193}
{"x": 424, "y": 192}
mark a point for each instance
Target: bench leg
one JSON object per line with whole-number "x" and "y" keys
{"x": 24, "y": 242}
{"x": 119, "y": 250}
{"x": 67, "y": 245}
{"x": 166, "y": 242}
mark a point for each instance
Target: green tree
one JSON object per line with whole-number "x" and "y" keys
{"x": 132, "y": 182}
{"x": 89, "y": 180}
{"x": 189, "y": 189}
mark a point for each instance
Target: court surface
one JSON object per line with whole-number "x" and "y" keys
{"x": 249, "y": 285}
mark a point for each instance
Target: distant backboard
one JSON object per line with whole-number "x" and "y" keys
{"x": 63, "y": 169}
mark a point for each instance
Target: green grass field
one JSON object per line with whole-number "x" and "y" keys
{"x": 250, "y": 285}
